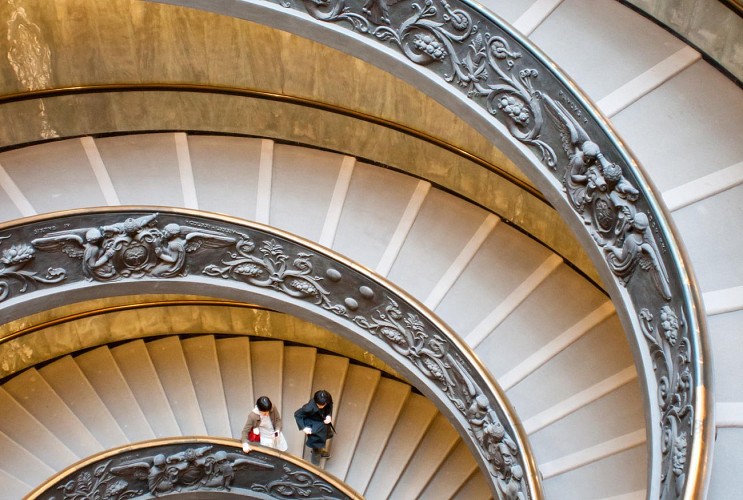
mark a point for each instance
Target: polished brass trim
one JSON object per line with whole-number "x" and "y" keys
{"x": 271, "y": 96}
{"x": 734, "y": 5}
{"x": 127, "y": 307}
{"x": 325, "y": 340}
{"x": 336, "y": 482}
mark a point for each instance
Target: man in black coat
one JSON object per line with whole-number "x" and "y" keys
{"x": 316, "y": 421}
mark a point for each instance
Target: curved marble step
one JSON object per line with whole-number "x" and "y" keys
{"x": 187, "y": 382}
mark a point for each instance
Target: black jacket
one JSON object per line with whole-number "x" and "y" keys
{"x": 313, "y": 417}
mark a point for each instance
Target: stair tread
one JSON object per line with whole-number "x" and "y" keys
{"x": 475, "y": 488}
{"x": 330, "y": 375}
{"x": 69, "y": 382}
{"x": 21, "y": 464}
{"x": 32, "y": 391}
{"x": 239, "y": 163}
{"x": 133, "y": 360}
{"x": 18, "y": 424}
{"x": 544, "y": 317}
{"x": 299, "y": 369}
{"x": 599, "y": 479}
{"x": 379, "y": 198}
{"x": 12, "y": 487}
{"x": 203, "y": 365}
{"x": 504, "y": 261}
{"x": 452, "y": 473}
{"x": 444, "y": 222}
{"x": 350, "y": 415}
{"x": 302, "y": 187}
{"x": 237, "y": 380}
{"x": 602, "y": 353}
{"x": 438, "y": 442}
{"x": 103, "y": 373}
{"x": 170, "y": 363}
{"x": 611, "y": 25}
{"x": 384, "y": 410}
{"x": 411, "y": 426}
{"x": 131, "y": 165}
{"x": 267, "y": 362}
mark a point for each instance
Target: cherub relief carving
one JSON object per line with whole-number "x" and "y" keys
{"x": 173, "y": 242}
{"x": 190, "y": 469}
{"x": 134, "y": 247}
{"x": 633, "y": 247}
{"x": 598, "y": 190}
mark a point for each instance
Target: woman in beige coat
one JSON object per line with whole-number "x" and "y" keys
{"x": 264, "y": 422}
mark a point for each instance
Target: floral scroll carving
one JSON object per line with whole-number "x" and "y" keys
{"x": 273, "y": 268}
{"x": 671, "y": 353}
{"x": 13, "y": 260}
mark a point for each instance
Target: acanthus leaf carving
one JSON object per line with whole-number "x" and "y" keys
{"x": 272, "y": 270}
{"x": 670, "y": 351}
{"x": 13, "y": 260}
{"x": 295, "y": 484}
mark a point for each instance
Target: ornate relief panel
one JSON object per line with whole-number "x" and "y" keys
{"x": 162, "y": 469}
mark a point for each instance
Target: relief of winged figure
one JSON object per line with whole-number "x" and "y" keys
{"x": 133, "y": 247}
{"x": 174, "y": 241}
{"x": 97, "y": 246}
{"x": 189, "y": 469}
{"x": 160, "y": 480}
{"x": 220, "y": 468}
{"x": 584, "y": 175}
{"x": 636, "y": 248}
{"x": 598, "y": 190}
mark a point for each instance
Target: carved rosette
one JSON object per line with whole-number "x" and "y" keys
{"x": 112, "y": 247}
{"x": 481, "y": 58}
{"x": 168, "y": 469}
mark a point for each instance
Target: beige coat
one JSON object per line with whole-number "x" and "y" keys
{"x": 254, "y": 420}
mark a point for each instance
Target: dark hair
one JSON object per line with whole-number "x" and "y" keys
{"x": 322, "y": 397}
{"x": 264, "y": 404}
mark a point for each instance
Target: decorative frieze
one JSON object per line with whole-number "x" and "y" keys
{"x": 168, "y": 469}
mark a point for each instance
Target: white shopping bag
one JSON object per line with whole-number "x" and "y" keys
{"x": 279, "y": 442}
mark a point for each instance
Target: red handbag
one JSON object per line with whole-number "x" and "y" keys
{"x": 253, "y": 437}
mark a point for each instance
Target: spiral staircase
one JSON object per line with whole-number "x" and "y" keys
{"x": 108, "y": 397}
{"x": 401, "y": 193}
